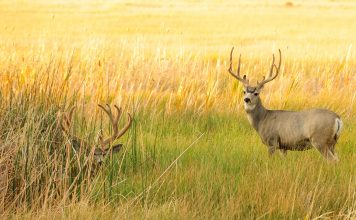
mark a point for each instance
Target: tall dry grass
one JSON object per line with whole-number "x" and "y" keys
{"x": 190, "y": 152}
{"x": 40, "y": 171}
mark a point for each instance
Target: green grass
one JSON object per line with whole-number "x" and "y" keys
{"x": 226, "y": 172}
{"x": 190, "y": 153}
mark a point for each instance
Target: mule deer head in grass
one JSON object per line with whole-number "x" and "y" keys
{"x": 288, "y": 130}
{"x": 103, "y": 146}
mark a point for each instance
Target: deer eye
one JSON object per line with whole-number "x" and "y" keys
{"x": 256, "y": 94}
{"x": 244, "y": 92}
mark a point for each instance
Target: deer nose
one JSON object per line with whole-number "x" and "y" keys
{"x": 247, "y": 100}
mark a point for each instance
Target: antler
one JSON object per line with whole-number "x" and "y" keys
{"x": 66, "y": 124}
{"x": 244, "y": 79}
{"x": 114, "y": 121}
{"x": 271, "y": 76}
{"x": 67, "y": 121}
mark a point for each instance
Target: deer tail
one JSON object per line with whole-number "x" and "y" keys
{"x": 337, "y": 128}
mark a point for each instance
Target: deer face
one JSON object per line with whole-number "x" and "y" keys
{"x": 251, "y": 97}
{"x": 100, "y": 154}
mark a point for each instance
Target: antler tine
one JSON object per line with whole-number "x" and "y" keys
{"x": 114, "y": 122}
{"x": 271, "y": 75}
{"x": 127, "y": 126}
{"x": 100, "y": 138}
{"x": 272, "y": 65}
{"x": 118, "y": 109}
{"x": 280, "y": 60}
{"x": 71, "y": 111}
{"x": 65, "y": 124}
{"x": 67, "y": 120}
{"x": 244, "y": 80}
{"x": 107, "y": 110}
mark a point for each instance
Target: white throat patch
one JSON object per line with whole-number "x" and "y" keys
{"x": 250, "y": 119}
{"x": 249, "y": 107}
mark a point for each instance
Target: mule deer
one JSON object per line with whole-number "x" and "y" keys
{"x": 288, "y": 130}
{"x": 103, "y": 147}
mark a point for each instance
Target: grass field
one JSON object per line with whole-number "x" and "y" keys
{"x": 190, "y": 153}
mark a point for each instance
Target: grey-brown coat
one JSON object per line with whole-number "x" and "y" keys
{"x": 289, "y": 130}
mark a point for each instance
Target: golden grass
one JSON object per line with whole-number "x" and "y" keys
{"x": 167, "y": 63}
{"x": 171, "y": 44}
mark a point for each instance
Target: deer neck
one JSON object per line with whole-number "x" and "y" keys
{"x": 256, "y": 115}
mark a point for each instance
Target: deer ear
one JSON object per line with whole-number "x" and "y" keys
{"x": 103, "y": 153}
{"x": 100, "y": 154}
{"x": 116, "y": 148}
{"x": 76, "y": 143}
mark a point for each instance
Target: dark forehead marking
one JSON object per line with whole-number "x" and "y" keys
{"x": 251, "y": 89}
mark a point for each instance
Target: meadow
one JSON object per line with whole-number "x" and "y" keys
{"x": 190, "y": 152}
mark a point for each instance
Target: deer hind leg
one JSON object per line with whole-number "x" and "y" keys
{"x": 334, "y": 157}
{"x": 325, "y": 152}
{"x": 331, "y": 147}
{"x": 332, "y": 150}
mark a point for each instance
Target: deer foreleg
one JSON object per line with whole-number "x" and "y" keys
{"x": 271, "y": 150}
{"x": 273, "y": 145}
{"x": 283, "y": 152}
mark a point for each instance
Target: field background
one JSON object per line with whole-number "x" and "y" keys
{"x": 190, "y": 153}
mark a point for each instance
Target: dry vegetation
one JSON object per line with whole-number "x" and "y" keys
{"x": 190, "y": 152}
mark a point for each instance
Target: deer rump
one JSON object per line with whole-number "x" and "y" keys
{"x": 298, "y": 131}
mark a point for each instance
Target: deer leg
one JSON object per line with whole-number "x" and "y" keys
{"x": 271, "y": 150}
{"x": 283, "y": 152}
{"x": 273, "y": 145}
{"x": 334, "y": 157}
{"x": 327, "y": 154}
{"x": 332, "y": 150}
{"x": 323, "y": 147}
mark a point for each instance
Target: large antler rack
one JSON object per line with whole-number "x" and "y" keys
{"x": 105, "y": 144}
{"x": 243, "y": 79}
{"x": 114, "y": 122}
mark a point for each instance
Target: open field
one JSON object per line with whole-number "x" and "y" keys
{"x": 190, "y": 153}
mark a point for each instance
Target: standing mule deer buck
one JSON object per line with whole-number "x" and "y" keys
{"x": 289, "y": 130}
{"x": 103, "y": 147}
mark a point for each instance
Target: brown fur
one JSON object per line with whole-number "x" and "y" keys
{"x": 288, "y": 130}
{"x": 294, "y": 130}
